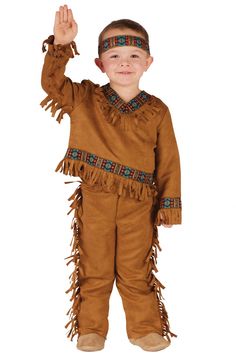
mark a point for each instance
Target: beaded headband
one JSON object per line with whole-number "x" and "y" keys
{"x": 123, "y": 40}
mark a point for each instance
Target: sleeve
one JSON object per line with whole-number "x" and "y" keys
{"x": 62, "y": 92}
{"x": 168, "y": 175}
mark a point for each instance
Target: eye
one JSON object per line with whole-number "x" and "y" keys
{"x": 113, "y": 56}
{"x": 135, "y": 55}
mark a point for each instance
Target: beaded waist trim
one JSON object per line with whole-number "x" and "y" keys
{"x": 110, "y": 166}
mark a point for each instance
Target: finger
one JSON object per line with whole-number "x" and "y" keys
{"x": 61, "y": 14}
{"x": 57, "y": 18}
{"x": 65, "y": 17}
{"x": 70, "y": 15}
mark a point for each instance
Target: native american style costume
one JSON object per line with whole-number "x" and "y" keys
{"x": 127, "y": 158}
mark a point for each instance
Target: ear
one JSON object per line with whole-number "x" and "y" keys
{"x": 149, "y": 61}
{"x": 99, "y": 63}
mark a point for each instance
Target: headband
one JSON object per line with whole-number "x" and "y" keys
{"x": 123, "y": 40}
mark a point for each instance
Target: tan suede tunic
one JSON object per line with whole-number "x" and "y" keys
{"x": 128, "y": 148}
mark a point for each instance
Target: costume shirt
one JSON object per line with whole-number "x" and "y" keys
{"x": 128, "y": 148}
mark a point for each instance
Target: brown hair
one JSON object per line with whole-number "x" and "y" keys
{"x": 124, "y": 24}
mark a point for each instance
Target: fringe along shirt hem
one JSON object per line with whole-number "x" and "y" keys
{"x": 107, "y": 177}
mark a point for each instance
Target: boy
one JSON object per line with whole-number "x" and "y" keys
{"x": 122, "y": 145}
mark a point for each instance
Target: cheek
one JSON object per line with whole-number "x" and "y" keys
{"x": 139, "y": 66}
{"x": 108, "y": 65}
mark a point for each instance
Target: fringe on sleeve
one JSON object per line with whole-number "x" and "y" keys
{"x": 53, "y": 73}
{"x": 169, "y": 216}
{"x": 168, "y": 210}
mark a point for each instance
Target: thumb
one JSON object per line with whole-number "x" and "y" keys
{"x": 74, "y": 26}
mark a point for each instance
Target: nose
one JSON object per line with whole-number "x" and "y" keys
{"x": 124, "y": 62}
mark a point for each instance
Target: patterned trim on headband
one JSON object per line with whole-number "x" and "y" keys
{"x": 123, "y": 40}
{"x": 109, "y": 166}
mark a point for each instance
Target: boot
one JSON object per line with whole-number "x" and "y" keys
{"x": 90, "y": 342}
{"x": 151, "y": 342}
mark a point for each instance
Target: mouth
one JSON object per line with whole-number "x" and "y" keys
{"x": 125, "y": 72}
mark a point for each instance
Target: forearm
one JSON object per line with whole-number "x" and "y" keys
{"x": 53, "y": 71}
{"x": 168, "y": 174}
{"x": 60, "y": 89}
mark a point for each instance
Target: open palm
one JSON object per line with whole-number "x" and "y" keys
{"x": 65, "y": 28}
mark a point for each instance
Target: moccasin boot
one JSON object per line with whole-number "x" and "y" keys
{"x": 90, "y": 342}
{"x": 151, "y": 342}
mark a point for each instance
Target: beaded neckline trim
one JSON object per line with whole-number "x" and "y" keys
{"x": 134, "y": 104}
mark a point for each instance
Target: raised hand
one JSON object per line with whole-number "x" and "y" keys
{"x": 65, "y": 28}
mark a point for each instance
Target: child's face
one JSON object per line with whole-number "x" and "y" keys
{"x": 126, "y": 64}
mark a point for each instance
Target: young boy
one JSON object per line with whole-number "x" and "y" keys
{"x": 122, "y": 146}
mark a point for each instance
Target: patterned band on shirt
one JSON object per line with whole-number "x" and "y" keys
{"x": 123, "y": 40}
{"x": 170, "y": 202}
{"x": 109, "y": 166}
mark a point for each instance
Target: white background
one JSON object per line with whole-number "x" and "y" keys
{"x": 193, "y": 45}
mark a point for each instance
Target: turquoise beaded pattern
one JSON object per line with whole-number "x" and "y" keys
{"x": 170, "y": 202}
{"x": 134, "y": 104}
{"x": 109, "y": 166}
{"x": 123, "y": 40}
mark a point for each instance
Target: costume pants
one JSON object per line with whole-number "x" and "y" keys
{"x": 114, "y": 240}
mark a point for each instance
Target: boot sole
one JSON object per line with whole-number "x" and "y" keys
{"x": 154, "y": 348}
{"x": 89, "y": 348}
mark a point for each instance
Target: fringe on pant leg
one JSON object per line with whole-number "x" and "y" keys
{"x": 76, "y": 226}
{"x": 157, "y": 285}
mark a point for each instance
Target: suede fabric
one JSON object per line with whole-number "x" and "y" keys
{"x": 128, "y": 148}
{"x": 151, "y": 342}
{"x": 114, "y": 239}
{"x": 90, "y": 342}
{"x": 127, "y": 157}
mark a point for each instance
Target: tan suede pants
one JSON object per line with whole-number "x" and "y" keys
{"x": 114, "y": 239}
